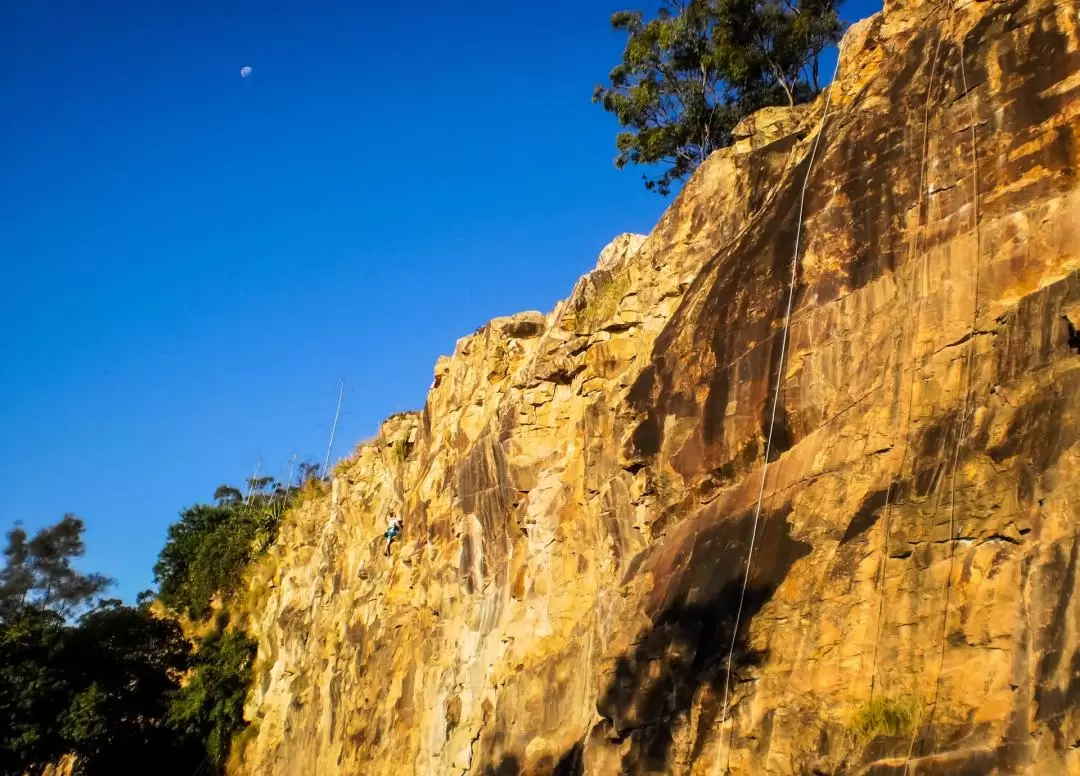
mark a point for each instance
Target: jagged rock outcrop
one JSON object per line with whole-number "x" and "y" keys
{"x": 580, "y": 490}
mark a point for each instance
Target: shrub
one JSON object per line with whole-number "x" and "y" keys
{"x": 210, "y": 706}
{"x": 209, "y": 547}
{"x": 106, "y": 692}
{"x": 604, "y": 301}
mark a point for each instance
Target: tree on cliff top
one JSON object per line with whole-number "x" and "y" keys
{"x": 689, "y": 75}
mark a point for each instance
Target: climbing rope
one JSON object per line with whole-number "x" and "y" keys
{"x": 775, "y": 404}
{"x": 912, "y": 251}
{"x": 968, "y": 368}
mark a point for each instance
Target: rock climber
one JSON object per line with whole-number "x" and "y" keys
{"x": 393, "y": 532}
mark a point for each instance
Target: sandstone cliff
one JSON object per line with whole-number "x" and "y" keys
{"x": 580, "y": 490}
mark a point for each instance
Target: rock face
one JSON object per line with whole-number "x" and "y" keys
{"x": 582, "y": 490}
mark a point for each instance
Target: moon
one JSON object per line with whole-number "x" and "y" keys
{"x": 245, "y": 71}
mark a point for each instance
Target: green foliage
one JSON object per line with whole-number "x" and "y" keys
{"x": 227, "y": 494}
{"x": 211, "y": 705}
{"x": 106, "y": 689}
{"x": 182, "y": 561}
{"x": 601, "y": 304}
{"x": 38, "y": 572}
{"x": 209, "y": 547}
{"x": 691, "y": 73}
{"x": 39, "y": 591}
{"x": 125, "y": 664}
{"x": 99, "y": 690}
{"x": 885, "y": 717}
{"x": 34, "y": 690}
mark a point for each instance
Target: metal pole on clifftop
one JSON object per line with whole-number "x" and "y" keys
{"x": 333, "y": 430}
{"x": 254, "y": 477}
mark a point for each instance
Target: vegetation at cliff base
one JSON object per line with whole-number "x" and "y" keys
{"x": 210, "y": 707}
{"x": 118, "y": 688}
{"x": 689, "y": 74}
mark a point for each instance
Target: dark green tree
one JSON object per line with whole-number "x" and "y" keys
{"x": 38, "y": 573}
{"x": 101, "y": 691}
{"x": 39, "y": 590}
{"x": 125, "y": 666}
{"x": 35, "y": 691}
{"x": 209, "y": 547}
{"x": 210, "y": 707}
{"x": 257, "y": 485}
{"x": 110, "y": 687}
{"x": 227, "y": 494}
{"x": 189, "y": 568}
{"x": 691, "y": 73}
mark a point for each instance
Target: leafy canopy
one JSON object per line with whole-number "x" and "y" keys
{"x": 691, "y": 73}
{"x": 210, "y": 706}
{"x": 107, "y": 688}
{"x": 122, "y": 667}
{"x": 38, "y": 573}
{"x": 208, "y": 548}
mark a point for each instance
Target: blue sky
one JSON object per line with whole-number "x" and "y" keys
{"x": 193, "y": 260}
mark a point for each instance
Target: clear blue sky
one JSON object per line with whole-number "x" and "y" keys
{"x": 192, "y": 260}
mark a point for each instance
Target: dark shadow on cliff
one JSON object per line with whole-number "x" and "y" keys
{"x": 571, "y": 763}
{"x": 507, "y": 766}
{"x": 683, "y": 656}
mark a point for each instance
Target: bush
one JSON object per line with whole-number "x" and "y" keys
{"x": 604, "y": 301}
{"x": 98, "y": 691}
{"x": 124, "y": 664}
{"x": 210, "y": 706}
{"x": 209, "y": 547}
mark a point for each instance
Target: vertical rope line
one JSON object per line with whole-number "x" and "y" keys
{"x": 969, "y": 368}
{"x": 911, "y": 383}
{"x": 333, "y": 430}
{"x": 775, "y": 404}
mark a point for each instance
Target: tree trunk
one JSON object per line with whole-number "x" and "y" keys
{"x": 779, "y": 75}
{"x": 787, "y": 91}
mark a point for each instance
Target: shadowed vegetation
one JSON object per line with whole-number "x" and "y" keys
{"x": 116, "y": 688}
{"x": 210, "y": 546}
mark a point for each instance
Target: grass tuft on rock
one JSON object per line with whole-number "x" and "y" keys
{"x": 604, "y": 301}
{"x": 884, "y": 716}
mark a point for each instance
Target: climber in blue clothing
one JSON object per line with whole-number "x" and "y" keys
{"x": 393, "y": 532}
